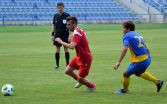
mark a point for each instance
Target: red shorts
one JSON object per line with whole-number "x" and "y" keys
{"x": 82, "y": 66}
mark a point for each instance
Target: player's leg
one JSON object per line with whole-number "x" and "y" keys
{"x": 70, "y": 69}
{"x": 148, "y": 76}
{"x": 67, "y": 55}
{"x": 57, "y": 57}
{"x": 57, "y": 54}
{"x": 126, "y": 79}
{"x": 91, "y": 87}
{"x": 83, "y": 72}
{"x": 125, "y": 84}
{"x": 64, "y": 36}
{"x": 141, "y": 72}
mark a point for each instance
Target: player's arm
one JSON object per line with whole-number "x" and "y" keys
{"x": 147, "y": 48}
{"x": 53, "y": 32}
{"x": 122, "y": 55}
{"x": 68, "y": 45}
{"x": 53, "y": 29}
{"x": 143, "y": 42}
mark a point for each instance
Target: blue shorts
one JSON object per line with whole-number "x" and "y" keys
{"x": 138, "y": 68}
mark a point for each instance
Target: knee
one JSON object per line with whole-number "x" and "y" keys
{"x": 58, "y": 50}
{"x": 65, "y": 50}
{"x": 67, "y": 71}
{"x": 125, "y": 74}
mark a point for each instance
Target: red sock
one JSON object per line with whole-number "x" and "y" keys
{"x": 90, "y": 85}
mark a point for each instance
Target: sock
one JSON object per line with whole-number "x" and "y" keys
{"x": 150, "y": 77}
{"x": 126, "y": 82}
{"x": 87, "y": 83}
{"x": 67, "y": 56}
{"x": 74, "y": 76}
{"x": 57, "y": 57}
{"x": 90, "y": 85}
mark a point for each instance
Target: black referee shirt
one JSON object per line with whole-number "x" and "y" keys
{"x": 60, "y": 22}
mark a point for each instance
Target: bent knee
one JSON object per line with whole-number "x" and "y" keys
{"x": 68, "y": 70}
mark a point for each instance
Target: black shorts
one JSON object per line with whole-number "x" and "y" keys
{"x": 63, "y": 36}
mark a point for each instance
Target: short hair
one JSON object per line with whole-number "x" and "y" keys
{"x": 60, "y": 4}
{"x": 73, "y": 20}
{"x": 129, "y": 25}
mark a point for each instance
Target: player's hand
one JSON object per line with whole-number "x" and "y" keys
{"x": 58, "y": 40}
{"x": 116, "y": 66}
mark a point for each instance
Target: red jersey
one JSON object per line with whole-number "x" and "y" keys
{"x": 82, "y": 47}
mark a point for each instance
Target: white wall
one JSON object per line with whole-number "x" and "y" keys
{"x": 145, "y": 12}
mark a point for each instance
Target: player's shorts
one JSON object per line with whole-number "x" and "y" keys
{"x": 63, "y": 36}
{"x": 83, "y": 67}
{"x": 138, "y": 68}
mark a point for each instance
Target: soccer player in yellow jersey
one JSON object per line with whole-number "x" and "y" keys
{"x": 139, "y": 58}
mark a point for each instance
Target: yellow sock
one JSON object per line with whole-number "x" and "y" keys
{"x": 126, "y": 82}
{"x": 150, "y": 77}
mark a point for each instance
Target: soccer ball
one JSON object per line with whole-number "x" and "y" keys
{"x": 7, "y": 90}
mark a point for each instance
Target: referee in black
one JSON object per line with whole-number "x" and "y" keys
{"x": 59, "y": 29}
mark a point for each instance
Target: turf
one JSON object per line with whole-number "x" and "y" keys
{"x": 27, "y": 61}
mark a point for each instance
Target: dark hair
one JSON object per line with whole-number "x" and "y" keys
{"x": 73, "y": 20}
{"x": 60, "y": 4}
{"x": 129, "y": 25}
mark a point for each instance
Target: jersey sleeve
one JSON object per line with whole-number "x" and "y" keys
{"x": 76, "y": 38}
{"x": 142, "y": 40}
{"x": 125, "y": 41}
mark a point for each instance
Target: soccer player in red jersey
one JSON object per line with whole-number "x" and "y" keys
{"x": 83, "y": 59}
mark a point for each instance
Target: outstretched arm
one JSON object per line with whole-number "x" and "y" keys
{"x": 123, "y": 53}
{"x": 68, "y": 45}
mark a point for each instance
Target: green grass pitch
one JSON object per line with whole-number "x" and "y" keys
{"x": 27, "y": 61}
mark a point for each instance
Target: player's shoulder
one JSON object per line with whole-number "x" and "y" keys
{"x": 55, "y": 15}
{"x": 126, "y": 35}
{"x": 138, "y": 34}
{"x": 77, "y": 31}
{"x": 130, "y": 34}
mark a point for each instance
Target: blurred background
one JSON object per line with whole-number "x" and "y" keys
{"x": 41, "y": 12}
